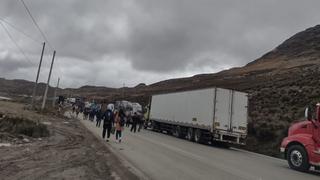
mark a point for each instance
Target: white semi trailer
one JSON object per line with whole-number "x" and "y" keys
{"x": 212, "y": 114}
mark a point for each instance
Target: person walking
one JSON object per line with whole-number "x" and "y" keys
{"x": 119, "y": 123}
{"x": 135, "y": 121}
{"x": 85, "y": 113}
{"x": 91, "y": 114}
{"x": 77, "y": 111}
{"x": 108, "y": 120}
{"x": 98, "y": 117}
{"x": 128, "y": 120}
{"x": 73, "y": 108}
{"x": 140, "y": 121}
{"x": 80, "y": 107}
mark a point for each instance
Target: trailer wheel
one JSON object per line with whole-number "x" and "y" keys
{"x": 145, "y": 124}
{"x": 153, "y": 126}
{"x": 190, "y": 134}
{"x": 298, "y": 158}
{"x": 176, "y": 131}
{"x": 197, "y": 135}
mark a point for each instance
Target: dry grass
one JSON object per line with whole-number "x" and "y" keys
{"x": 15, "y": 120}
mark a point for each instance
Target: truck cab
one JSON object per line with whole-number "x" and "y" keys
{"x": 302, "y": 146}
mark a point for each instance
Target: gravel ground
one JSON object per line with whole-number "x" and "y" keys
{"x": 70, "y": 152}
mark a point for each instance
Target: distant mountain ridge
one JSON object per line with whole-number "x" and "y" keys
{"x": 20, "y": 87}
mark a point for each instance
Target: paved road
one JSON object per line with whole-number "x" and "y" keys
{"x": 160, "y": 156}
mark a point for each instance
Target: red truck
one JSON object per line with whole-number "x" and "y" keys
{"x": 302, "y": 146}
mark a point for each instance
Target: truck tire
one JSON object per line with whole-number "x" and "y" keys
{"x": 153, "y": 126}
{"x": 190, "y": 134}
{"x": 298, "y": 158}
{"x": 145, "y": 125}
{"x": 176, "y": 131}
{"x": 197, "y": 136}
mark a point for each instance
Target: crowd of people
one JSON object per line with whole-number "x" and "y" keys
{"x": 114, "y": 121}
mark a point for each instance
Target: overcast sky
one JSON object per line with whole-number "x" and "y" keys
{"x": 111, "y": 42}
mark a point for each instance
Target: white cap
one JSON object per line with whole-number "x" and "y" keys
{"x": 109, "y": 107}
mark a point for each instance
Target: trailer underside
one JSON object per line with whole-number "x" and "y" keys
{"x": 197, "y": 133}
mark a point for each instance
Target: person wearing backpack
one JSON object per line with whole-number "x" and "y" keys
{"x": 108, "y": 120}
{"x": 98, "y": 117}
{"x": 135, "y": 121}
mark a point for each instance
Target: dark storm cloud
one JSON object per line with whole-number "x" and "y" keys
{"x": 158, "y": 39}
{"x": 11, "y": 64}
{"x": 170, "y": 33}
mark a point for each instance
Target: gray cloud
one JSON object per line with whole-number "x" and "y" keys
{"x": 170, "y": 33}
{"x": 152, "y": 39}
{"x": 11, "y": 64}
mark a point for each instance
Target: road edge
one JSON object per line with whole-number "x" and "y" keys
{"x": 127, "y": 164}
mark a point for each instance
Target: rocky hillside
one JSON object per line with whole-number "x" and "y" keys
{"x": 22, "y": 89}
{"x": 280, "y": 84}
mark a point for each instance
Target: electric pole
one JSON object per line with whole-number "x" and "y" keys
{"x": 55, "y": 93}
{"x": 34, "y": 93}
{"x": 47, "y": 87}
{"x": 123, "y": 91}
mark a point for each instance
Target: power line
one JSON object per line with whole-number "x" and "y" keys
{"x": 19, "y": 30}
{"x": 58, "y": 65}
{"x": 16, "y": 44}
{"x": 38, "y": 27}
{"x": 36, "y": 24}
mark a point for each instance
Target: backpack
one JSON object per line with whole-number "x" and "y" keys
{"x": 122, "y": 122}
{"x": 108, "y": 119}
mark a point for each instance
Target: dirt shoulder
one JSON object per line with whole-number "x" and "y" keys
{"x": 69, "y": 152}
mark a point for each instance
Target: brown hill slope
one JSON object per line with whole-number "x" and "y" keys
{"x": 298, "y": 52}
{"x": 20, "y": 87}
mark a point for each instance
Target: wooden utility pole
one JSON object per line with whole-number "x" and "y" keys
{"x": 34, "y": 93}
{"x": 55, "y": 94}
{"x": 47, "y": 87}
{"x": 123, "y": 91}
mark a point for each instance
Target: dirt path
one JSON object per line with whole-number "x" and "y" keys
{"x": 71, "y": 152}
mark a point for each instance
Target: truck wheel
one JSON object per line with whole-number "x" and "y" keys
{"x": 190, "y": 134}
{"x": 145, "y": 125}
{"x": 176, "y": 131}
{"x": 153, "y": 126}
{"x": 298, "y": 158}
{"x": 197, "y": 135}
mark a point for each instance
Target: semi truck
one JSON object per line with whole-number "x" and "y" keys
{"x": 301, "y": 147}
{"x": 205, "y": 115}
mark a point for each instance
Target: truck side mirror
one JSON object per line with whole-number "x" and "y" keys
{"x": 307, "y": 114}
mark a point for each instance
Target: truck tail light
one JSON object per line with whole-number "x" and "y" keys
{"x": 216, "y": 124}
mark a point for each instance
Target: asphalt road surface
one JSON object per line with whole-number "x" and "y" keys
{"x": 160, "y": 156}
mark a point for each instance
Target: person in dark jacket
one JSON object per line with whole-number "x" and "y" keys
{"x": 128, "y": 120}
{"x": 92, "y": 113}
{"x": 86, "y": 113}
{"x": 108, "y": 120}
{"x": 98, "y": 117}
{"x": 140, "y": 122}
{"x": 77, "y": 111}
{"x": 135, "y": 121}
